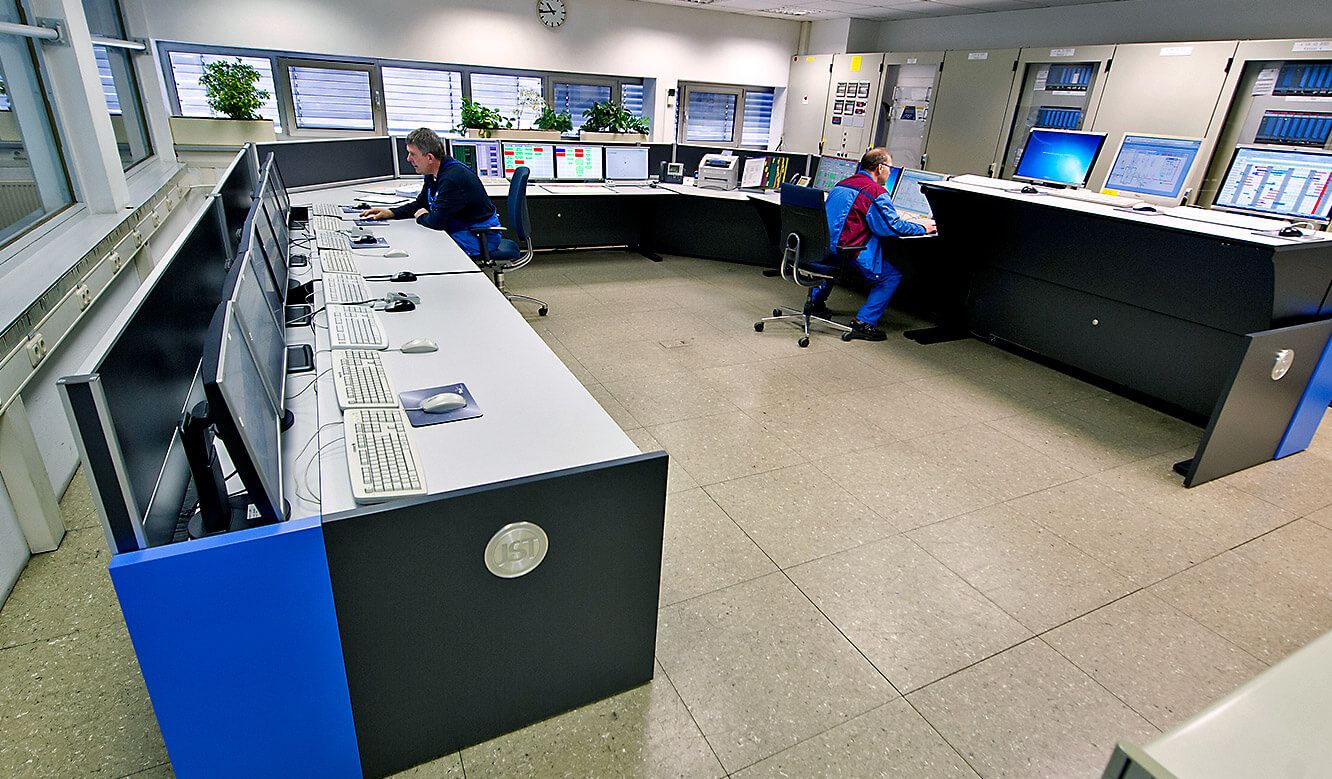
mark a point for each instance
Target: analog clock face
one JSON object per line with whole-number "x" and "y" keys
{"x": 551, "y": 12}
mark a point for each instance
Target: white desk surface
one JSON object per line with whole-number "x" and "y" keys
{"x": 1157, "y": 218}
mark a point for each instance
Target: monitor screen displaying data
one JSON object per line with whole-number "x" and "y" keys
{"x": 1059, "y": 157}
{"x": 1153, "y": 165}
{"x": 626, "y": 163}
{"x": 577, "y": 163}
{"x": 890, "y": 184}
{"x": 538, "y": 157}
{"x": 481, "y": 156}
{"x": 1278, "y": 182}
{"x": 908, "y": 197}
{"x": 832, "y": 170}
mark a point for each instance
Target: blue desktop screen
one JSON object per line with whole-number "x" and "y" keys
{"x": 1059, "y": 157}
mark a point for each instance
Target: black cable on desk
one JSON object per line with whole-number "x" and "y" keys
{"x": 422, "y": 275}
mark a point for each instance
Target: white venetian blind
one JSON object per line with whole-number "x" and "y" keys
{"x": 711, "y": 117}
{"x": 758, "y": 119}
{"x": 416, "y": 97}
{"x": 500, "y": 92}
{"x": 187, "y": 67}
{"x": 331, "y": 98}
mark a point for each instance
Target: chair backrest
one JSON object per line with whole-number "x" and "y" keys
{"x": 519, "y": 220}
{"x": 803, "y": 216}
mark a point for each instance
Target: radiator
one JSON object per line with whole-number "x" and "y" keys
{"x": 17, "y": 200}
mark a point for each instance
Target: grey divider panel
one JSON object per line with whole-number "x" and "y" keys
{"x": 1255, "y": 409}
{"x": 968, "y": 116}
{"x": 307, "y": 163}
{"x": 806, "y": 101}
{"x": 441, "y": 654}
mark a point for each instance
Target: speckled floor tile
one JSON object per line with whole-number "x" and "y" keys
{"x": 822, "y": 426}
{"x": 913, "y": 618}
{"x": 905, "y": 411}
{"x": 797, "y": 514}
{"x": 613, "y": 407}
{"x": 890, "y": 741}
{"x": 1169, "y": 668}
{"x": 754, "y": 384}
{"x": 570, "y": 361}
{"x": 637, "y": 359}
{"x": 907, "y": 486}
{"x": 703, "y": 549}
{"x": 1149, "y": 431}
{"x": 77, "y": 507}
{"x": 1263, "y": 612}
{"x": 645, "y": 732}
{"x": 1031, "y": 573}
{"x": 84, "y": 601}
{"x": 724, "y": 446}
{"x": 1301, "y": 551}
{"x": 1297, "y": 483}
{"x": 677, "y": 478}
{"x": 1000, "y": 466}
{"x": 446, "y": 767}
{"x": 669, "y": 397}
{"x": 1073, "y": 442}
{"x": 1029, "y": 713}
{"x": 831, "y": 371}
{"x": 760, "y": 669}
{"x": 974, "y": 395}
{"x": 1322, "y": 517}
{"x": 1041, "y": 385}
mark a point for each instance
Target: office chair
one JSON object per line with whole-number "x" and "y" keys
{"x": 806, "y": 260}
{"x": 509, "y": 255}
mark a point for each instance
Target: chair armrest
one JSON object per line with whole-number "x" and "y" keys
{"x": 485, "y": 229}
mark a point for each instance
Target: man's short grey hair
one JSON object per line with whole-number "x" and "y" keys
{"x": 427, "y": 142}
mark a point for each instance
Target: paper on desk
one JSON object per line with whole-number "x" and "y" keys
{"x": 752, "y": 176}
{"x": 382, "y": 200}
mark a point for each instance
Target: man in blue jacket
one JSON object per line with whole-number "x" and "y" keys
{"x": 860, "y": 211}
{"x": 452, "y": 199}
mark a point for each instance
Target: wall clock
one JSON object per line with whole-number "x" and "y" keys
{"x": 551, "y": 12}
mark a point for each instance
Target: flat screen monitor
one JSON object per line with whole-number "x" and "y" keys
{"x": 250, "y": 290}
{"x": 1291, "y": 183}
{"x": 258, "y": 255}
{"x": 578, "y": 162}
{"x": 908, "y": 197}
{"x": 1153, "y": 165}
{"x": 832, "y": 170}
{"x": 627, "y": 163}
{"x": 483, "y": 157}
{"x": 1059, "y": 157}
{"x": 894, "y": 173}
{"x": 273, "y": 175}
{"x": 236, "y": 190}
{"x": 239, "y": 408}
{"x": 273, "y": 242}
{"x": 538, "y": 157}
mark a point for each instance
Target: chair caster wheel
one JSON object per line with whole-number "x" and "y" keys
{"x": 802, "y": 343}
{"x": 776, "y": 312}
{"x": 542, "y": 311}
{"x": 758, "y": 327}
{"x": 846, "y": 336}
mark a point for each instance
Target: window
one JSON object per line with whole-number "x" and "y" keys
{"x": 710, "y": 117}
{"x": 758, "y": 119}
{"x": 500, "y": 92}
{"x": 186, "y": 68}
{"x": 577, "y": 98}
{"x": 120, "y": 85}
{"x": 108, "y": 81}
{"x": 331, "y": 98}
{"x": 631, "y": 97}
{"x": 720, "y": 115}
{"x": 416, "y": 97}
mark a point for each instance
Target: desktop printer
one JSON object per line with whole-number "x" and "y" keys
{"x": 717, "y": 171}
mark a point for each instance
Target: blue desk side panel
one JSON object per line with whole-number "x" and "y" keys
{"x": 238, "y": 642}
{"x": 1317, "y": 396}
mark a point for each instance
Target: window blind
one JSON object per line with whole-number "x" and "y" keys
{"x": 331, "y": 98}
{"x": 416, "y": 97}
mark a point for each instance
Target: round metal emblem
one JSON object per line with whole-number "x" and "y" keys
{"x": 1284, "y": 359}
{"x": 517, "y": 549}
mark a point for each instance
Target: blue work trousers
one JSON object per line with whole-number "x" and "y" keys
{"x": 880, "y": 293}
{"x": 468, "y": 241}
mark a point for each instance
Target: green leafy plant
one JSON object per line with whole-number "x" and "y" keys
{"x": 231, "y": 89}
{"x": 477, "y": 117}
{"x": 554, "y": 120}
{"x": 609, "y": 117}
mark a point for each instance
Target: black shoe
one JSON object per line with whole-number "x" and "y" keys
{"x": 818, "y": 308}
{"x": 867, "y": 332}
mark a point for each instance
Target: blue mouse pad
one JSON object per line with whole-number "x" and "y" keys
{"x": 352, "y": 209}
{"x": 379, "y": 243}
{"x": 367, "y": 222}
{"x": 411, "y": 400}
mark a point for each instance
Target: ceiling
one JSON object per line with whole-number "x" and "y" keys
{"x": 886, "y": 10}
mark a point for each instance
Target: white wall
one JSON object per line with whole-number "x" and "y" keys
{"x": 1129, "y": 21}
{"x": 617, "y": 37}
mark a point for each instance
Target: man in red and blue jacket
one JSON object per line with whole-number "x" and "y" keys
{"x": 860, "y": 211}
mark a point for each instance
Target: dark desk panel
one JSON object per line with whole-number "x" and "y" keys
{"x": 711, "y": 227}
{"x": 567, "y": 221}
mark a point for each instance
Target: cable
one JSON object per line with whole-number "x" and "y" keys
{"x": 307, "y": 387}
{"x": 419, "y": 275}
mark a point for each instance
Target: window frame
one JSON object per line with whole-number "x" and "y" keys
{"x": 287, "y": 107}
{"x": 685, "y": 88}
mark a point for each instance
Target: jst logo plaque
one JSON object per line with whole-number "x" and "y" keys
{"x": 517, "y": 549}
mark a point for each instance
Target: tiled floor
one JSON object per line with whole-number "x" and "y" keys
{"x": 880, "y": 560}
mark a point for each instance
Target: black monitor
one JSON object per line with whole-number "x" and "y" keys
{"x": 252, "y": 241}
{"x": 272, "y": 174}
{"x": 1290, "y": 183}
{"x": 270, "y": 232}
{"x": 832, "y": 170}
{"x": 890, "y": 184}
{"x": 483, "y": 157}
{"x": 1061, "y": 158}
{"x": 235, "y": 190}
{"x": 249, "y": 287}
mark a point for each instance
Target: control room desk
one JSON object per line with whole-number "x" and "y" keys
{"x": 1189, "y": 312}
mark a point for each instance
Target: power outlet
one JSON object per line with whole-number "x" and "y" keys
{"x": 36, "y": 348}
{"x": 138, "y": 238}
{"x": 116, "y": 261}
{"x": 84, "y": 295}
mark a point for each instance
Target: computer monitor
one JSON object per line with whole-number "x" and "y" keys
{"x": 626, "y": 163}
{"x": 1061, "y": 158}
{"x": 273, "y": 175}
{"x": 578, "y": 162}
{"x": 253, "y": 251}
{"x": 894, "y": 173}
{"x": 1290, "y": 183}
{"x": 236, "y": 190}
{"x": 483, "y": 157}
{"x": 1153, "y": 165}
{"x": 538, "y": 157}
{"x": 908, "y": 197}
{"x": 271, "y": 231}
{"x": 832, "y": 170}
{"x": 250, "y": 290}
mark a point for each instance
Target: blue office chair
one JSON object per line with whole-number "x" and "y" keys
{"x": 806, "y": 259}
{"x": 509, "y": 255}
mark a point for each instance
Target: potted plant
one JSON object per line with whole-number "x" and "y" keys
{"x": 232, "y": 89}
{"x": 559, "y": 121}
{"x": 479, "y": 121}
{"x": 611, "y": 117}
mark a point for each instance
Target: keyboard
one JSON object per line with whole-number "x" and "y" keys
{"x": 628, "y": 182}
{"x": 326, "y": 209}
{"x": 1087, "y": 196}
{"x": 345, "y": 288}
{"x": 355, "y": 327}
{"x": 381, "y": 456}
{"x": 1226, "y": 218}
{"x": 332, "y": 239}
{"x": 337, "y": 261}
{"x": 330, "y": 223}
{"x": 360, "y": 381}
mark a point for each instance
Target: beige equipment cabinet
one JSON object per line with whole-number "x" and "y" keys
{"x": 910, "y": 82}
{"x": 806, "y": 103}
{"x": 967, "y": 120}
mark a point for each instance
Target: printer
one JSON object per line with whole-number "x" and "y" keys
{"x": 718, "y": 171}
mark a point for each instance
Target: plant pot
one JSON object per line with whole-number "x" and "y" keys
{"x": 202, "y": 131}
{"x": 590, "y": 137}
{"x": 527, "y": 135}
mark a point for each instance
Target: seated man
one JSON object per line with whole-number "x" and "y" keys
{"x": 452, "y": 198}
{"x": 860, "y": 211}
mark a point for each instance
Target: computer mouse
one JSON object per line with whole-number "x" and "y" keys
{"x": 1290, "y": 231}
{"x": 405, "y": 275}
{"x": 395, "y": 253}
{"x": 444, "y": 401}
{"x": 1029, "y": 190}
{"x": 363, "y": 240}
{"x": 399, "y": 306}
{"x": 1143, "y": 207}
{"x": 419, "y": 346}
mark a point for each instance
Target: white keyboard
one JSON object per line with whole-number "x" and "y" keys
{"x": 1226, "y": 218}
{"x": 360, "y": 381}
{"x": 332, "y": 239}
{"x": 326, "y": 209}
{"x": 338, "y": 261}
{"x": 355, "y": 327}
{"x": 1087, "y": 196}
{"x": 345, "y": 288}
{"x": 331, "y": 223}
{"x": 381, "y": 456}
